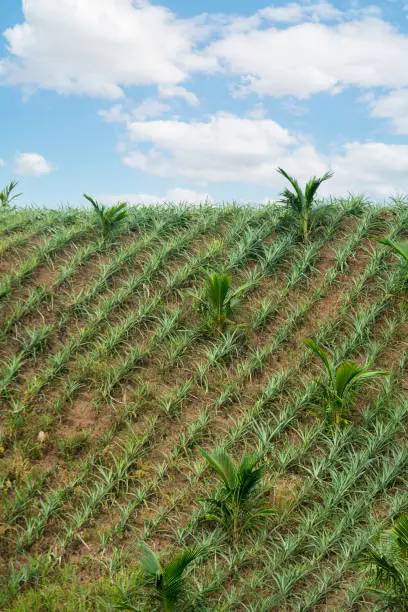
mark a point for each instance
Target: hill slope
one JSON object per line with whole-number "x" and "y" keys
{"x": 110, "y": 382}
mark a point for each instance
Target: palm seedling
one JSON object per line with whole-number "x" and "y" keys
{"x": 218, "y": 300}
{"x": 342, "y": 381}
{"x": 240, "y": 503}
{"x": 165, "y": 582}
{"x": 388, "y": 565}
{"x": 7, "y": 196}
{"x": 109, "y": 219}
{"x": 302, "y": 212}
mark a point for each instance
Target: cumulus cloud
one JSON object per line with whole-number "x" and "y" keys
{"x": 223, "y": 148}
{"x": 175, "y": 91}
{"x": 175, "y": 195}
{"x": 393, "y": 106}
{"x": 308, "y": 58}
{"x": 374, "y": 168}
{"x": 258, "y": 111}
{"x": 294, "y": 49}
{"x": 114, "y": 114}
{"x": 96, "y": 47}
{"x": 32, "y": 164}
{"x": 227, "y": 148}
{"x": 295, "y": 12}
{"x": 147, "y": 109}
{"x": 2, "y": 163}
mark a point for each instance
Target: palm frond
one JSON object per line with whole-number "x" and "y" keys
{"x": 400, "y": 247}
{"x": 386, "y": 572}
{"x": 182, "y": 560}
{"x": 221, "y": 463}
{"x": 342, "y": 379}
{"x": 320, "y": 352}
{"x": 399, "y": 533}
{"x": 289, "y": 198}
{"x": 350, "y": 374}
{"x": 239, "y": 504}
{"x": 301, "y": 204}
{"x": 233, "y": 295}
{"x": 109, "y": 218}
{"x": 5, "y": 194}
{"x": 313, "y": 185}
{"x": 94, "y": 202}
{"x": 217, "y": 287}
{"x": 149, "y": 562}
{"x": 247, "y": 478}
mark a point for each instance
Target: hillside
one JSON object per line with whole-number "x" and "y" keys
{"x": 112, "y": 382}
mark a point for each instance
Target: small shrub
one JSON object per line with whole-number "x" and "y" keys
{"x": 47, "y": 422}
{"x": 7, "y": 196}
{"x": 387, "y": 563}
{"x": 342, "y": 381}
{"x": 75, "y": 444}
{"x": 218, "y": 302}
{"x": 240, "y": 504}
{"x": 109, "y": 219}
{"x": 166, "y": 582}
{"x": 301, "y": 210}
{"x": 14, "y": 470}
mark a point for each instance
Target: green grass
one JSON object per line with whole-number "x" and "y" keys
{"x": 114, "y": 383}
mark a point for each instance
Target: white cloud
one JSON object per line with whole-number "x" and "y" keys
{"x": 393, "y": 106}
{"x": 2, "y": 163}
{"x": 114, "y": 114}
{"x": 119, "y": 43}
{"x": 258, "y": 111}
{"x": 294, "y": 107}
{"x": 96, "y": 47}
{"x": 175, "y": 195}
{"x": 175, "y": 91}
{"x": 295, "y": 12}
{"x": 374, "y": 168}
{"x": 149, "y": 108}
{"x": 302, "y": 60}
{"x": 247, "y": 151}
{"x": 223, "y": 148}
{"x": 32, "y": 164}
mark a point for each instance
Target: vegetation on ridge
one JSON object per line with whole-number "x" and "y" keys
{"x": 129, "y": 416}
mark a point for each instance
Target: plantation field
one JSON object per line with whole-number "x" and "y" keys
{"x": 113, "y": 382}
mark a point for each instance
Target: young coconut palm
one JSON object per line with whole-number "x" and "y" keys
{"x": 388, "y": 565}
{"x": 343, "y": 381}
{"x": 240, "y": 504}
{"x": 219, "y": 300}
{"x": 109, "y": 219}
{"x": 166, "y": 581}
{"x": 301, "y": 206}
{"x": 6, "y": 197}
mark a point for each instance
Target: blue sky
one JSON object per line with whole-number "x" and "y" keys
{"x": 145, "y": 101}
